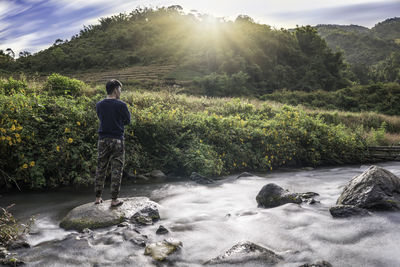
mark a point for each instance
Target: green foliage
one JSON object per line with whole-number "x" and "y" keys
{"x": 57, "y": 85}
{"x": 366, "y": 49}
{"x": 377, "y": 136}
{"x": 230, "y": 58}
{"x": 10, "y": 229}
{"x": 224, "y": 84}
{"x": 49, "y": 141}
{"x": 379, "y": 97}
{"x": 11, "y": 86}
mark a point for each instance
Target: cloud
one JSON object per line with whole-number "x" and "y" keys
{"x": 364, "y": 14}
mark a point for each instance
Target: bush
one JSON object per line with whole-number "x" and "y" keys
{"x": 223, "y": 84}
{"x": 49, "y": 141}
{"x": 58, "y": 85}
{"x": 10, "y": 229}
{"x": 11, "y": 86}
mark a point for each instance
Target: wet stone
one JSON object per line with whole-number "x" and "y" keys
{"x": 245, "y": 252}
{"x": 17, "y": 244}
{"x": 3, "y": 252}
{"x": 101, "y": 215}
{"x": 317, "y": 264}
{"x": 135, "y": 237}
{"x": 272, "y": 195}
{"x": 344, "y": 211}
{"x": 200, "y": 179}
{"x": 146, "y": 216}
{"x": 161, "y": 250}
{"x": 374, "y": 189}
{"x": 162, "y": 230}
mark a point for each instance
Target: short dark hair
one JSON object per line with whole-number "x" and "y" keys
{"x": 111, "y": 85}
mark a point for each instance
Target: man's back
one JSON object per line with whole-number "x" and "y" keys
{"x": 113, "y": 115}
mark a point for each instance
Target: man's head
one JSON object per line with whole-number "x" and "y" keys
{"x": 113, "y": 87}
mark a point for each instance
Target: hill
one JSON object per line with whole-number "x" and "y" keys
{"x": 234, "y": 57}
{"x": 369, "y": 51}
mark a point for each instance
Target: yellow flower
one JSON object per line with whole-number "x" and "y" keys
{"x": 19, "y": 140}
{"x": 25, "y": 166}
{"x": 8, "y": 138}
{"x": 17, "y": 135}
{"x": 3, "y": 138}
{"x": 19, "y": 128}
{"x": 67, "y": 130}
{"x": 10, "y": 143}
{"x": 70, "y": 140}
{"x": 234, "y": 164}
{"x": 32, "y": 164}
{"x": 58, "y": 148}
{"x": 78, "y": 123}
{"x": 13, "y": 127}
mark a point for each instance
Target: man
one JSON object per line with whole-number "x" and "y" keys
{"x": 113, "y": 115}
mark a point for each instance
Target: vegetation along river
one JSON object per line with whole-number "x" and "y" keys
{"x": 210, "y": 219}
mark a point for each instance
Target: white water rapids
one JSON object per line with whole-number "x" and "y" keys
{"x": 211, "y": 219}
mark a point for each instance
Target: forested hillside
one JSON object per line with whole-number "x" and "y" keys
{"x": 236, "y": 56}
{"x": 374, "y": 54}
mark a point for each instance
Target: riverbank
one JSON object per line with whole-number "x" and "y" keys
{"x": 49, "y": 140}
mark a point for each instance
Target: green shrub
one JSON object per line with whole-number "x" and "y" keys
{"x": 58, "y": 85}
{"x": 11, "y": 86}
{"x": 49, "y": 141}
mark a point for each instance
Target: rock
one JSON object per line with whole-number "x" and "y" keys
{"x": 244, "y": 174}
{"x": 97, "y": 216}
{"x": 374, "y": 189}
{"x": 11, "y": 262}
{"x": 135, "y": 237}
{"x": 272, "y": 195}
{"x": 146, "y": 216}
{"x": 3, "y": 252}
{"x": 244, "y": 252}
{"x": 200, "y": 179}
{"x": 343, "y": 211}
{"x": 317, "y": 264}
{"x": 162, "y": 230}
{"x": 17, "y": 244}
{"x": 160, "y": 250}
{"x": 123, "y": 224}
{"x": 308, "y": 197}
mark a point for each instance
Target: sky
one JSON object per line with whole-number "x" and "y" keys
{"x": 33, "y": 25}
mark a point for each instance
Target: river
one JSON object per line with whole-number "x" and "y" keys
{"x": 211, "y": 219}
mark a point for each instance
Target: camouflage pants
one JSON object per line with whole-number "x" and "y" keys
{"x": 110, "y": 151}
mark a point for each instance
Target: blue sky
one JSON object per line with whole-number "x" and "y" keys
{"x": 33, "y": 25}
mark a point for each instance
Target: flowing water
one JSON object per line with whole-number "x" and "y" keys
{"x": 211, "y": 219}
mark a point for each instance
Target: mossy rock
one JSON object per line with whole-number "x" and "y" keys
{"x": 101, "y": 215}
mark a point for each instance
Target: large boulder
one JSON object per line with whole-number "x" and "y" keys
{"x": 101, "y": 215}
{"x": 272, "y": 195}
{"x": 245, "y": 252}
{"x": 374, "y": 189}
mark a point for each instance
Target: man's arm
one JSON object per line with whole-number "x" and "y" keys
{"x": 126, "y": 115}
